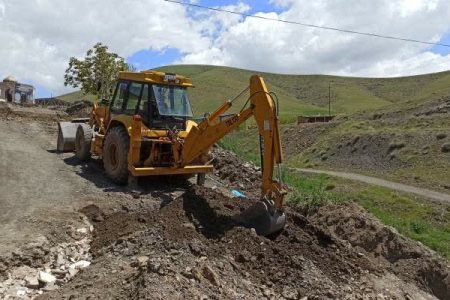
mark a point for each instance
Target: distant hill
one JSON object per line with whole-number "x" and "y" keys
{"x": 76, "y": 96}
{"x": 306, "y": 94}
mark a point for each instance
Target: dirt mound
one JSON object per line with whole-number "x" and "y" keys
{"x": 298, "y": 138}
{"x": 237, "y": 173}
{"x": 79, "y": 109}
{"x": 408, "y": 259}
{"x": 30, "y": 113}
{"x": 191, "y": 248}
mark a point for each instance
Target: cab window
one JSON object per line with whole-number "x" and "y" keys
{"x": 143, "y": 104}
{"x": 133, "y": 98}
{"x": 119, "y": 97}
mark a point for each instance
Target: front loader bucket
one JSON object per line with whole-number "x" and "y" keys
{"x": 263, "y": 217}
{"x": 66, "y": 136}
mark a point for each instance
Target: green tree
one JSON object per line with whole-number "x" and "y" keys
{"x": 97, "y": 73}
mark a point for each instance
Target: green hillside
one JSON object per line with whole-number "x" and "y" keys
{"x": 306, "y": 94}
{"x": 76, "y": 96}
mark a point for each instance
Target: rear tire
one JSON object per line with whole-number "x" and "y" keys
{"x": 83, "y": 139}
{"x": 115, "y": 154}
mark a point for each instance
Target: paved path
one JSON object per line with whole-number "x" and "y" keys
{"x": 443, "y": 197}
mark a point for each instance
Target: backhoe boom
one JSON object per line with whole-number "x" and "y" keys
{"x": 262, "y": 107}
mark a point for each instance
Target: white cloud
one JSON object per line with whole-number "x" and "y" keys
{"x": 285, "y": 48}
{"x": 38, "y": 36}
{"x": 2, "y": 10}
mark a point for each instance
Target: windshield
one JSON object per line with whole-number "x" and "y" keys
{"x": 172, "y": 101}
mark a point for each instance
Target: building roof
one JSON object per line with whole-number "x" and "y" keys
{"x": 10, "y": 78}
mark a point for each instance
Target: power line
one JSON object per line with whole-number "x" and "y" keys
{"x": 309, "y": 25}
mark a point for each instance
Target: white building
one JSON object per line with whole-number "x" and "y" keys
{"x": 13, "y": 91}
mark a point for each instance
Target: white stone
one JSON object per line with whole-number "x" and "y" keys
{"x": 142, "y": 260}
{"x": 21, "y": 292}
{"x": 82, "y": 230}
{"x": 80, "y": 264}
{"x": 60, "y": 260}
{"x": 46, "y": 277}
{"x": 32, "y": 282}
{"x": 72, "y": 272}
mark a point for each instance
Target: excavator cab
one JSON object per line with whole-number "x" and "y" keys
{"x": 160, "y": 106}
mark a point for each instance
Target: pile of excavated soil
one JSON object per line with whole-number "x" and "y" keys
{"x": 79, "y": 109}
{"x": 236, "y": 173}
{"x": 191, "y": 248}
{"x": 18, "y": 113}
{"x": 407, "y": 259}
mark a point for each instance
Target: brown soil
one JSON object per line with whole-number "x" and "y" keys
{"x": 31, "y": 113}
{"x": 193, "y": 249}
{"x": 408, "y": 259}
{"x": 80, "y": 109}
{"x": 182, "y": 243}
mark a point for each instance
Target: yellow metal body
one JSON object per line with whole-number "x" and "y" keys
{"x": 190, "y": 148}
{"x": 262, "y": 107}
{"x": 102, "y": 119}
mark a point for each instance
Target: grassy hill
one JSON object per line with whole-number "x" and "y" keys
{"x": 76, "y": 96}
{"x": 306, "y": 94}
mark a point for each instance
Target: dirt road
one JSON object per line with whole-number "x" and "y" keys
{"x": 442, "y": 197}
{"x": 37, "y": 190}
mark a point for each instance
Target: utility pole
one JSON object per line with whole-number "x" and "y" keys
{"x": 329, "y": 98}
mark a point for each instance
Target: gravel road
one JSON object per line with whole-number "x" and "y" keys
{"x": 39, "y": 191}
{"x": 430, "y": 194}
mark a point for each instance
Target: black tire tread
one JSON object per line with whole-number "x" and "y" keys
{"x": 84, "y": 133}
{"x": 120, "y": 136}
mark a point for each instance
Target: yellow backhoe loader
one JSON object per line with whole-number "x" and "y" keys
{"x": 146, "y": 129}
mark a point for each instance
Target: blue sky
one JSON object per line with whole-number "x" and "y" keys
{"x": 148, "y": 59}
{"x": 440, "y": 49}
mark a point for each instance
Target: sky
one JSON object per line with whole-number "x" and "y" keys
{"x": 39, "y": 36}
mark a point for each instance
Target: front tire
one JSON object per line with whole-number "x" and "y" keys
{"x": 115, "y": 154}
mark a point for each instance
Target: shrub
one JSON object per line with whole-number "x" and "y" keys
{"x": 418, "y": 228}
